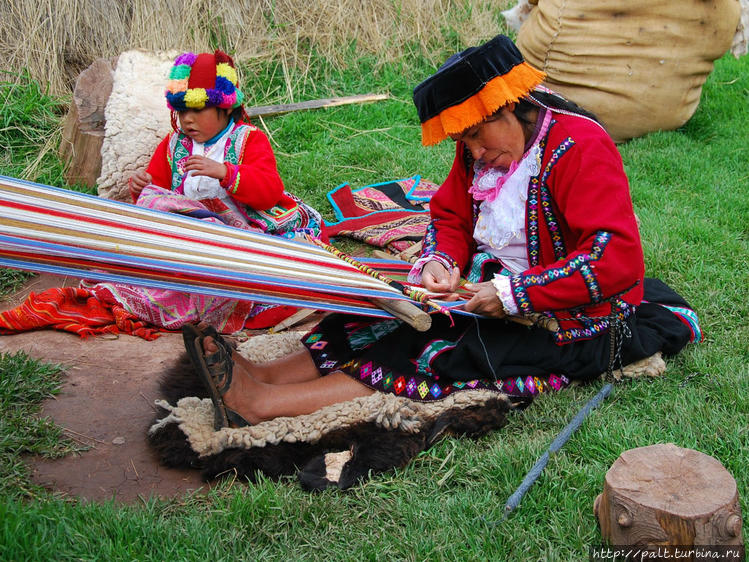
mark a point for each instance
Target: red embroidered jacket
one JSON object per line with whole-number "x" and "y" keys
{"x": 584, "y": 249}
{"x": 254, "y": 180}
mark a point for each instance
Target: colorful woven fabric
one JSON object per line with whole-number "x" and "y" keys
{"x": 75, "y": 310}
{"x": 391, "y": 215}
{"x": 415, "y": 380}
{"x": 53, "y": 230}
{"x": 209, "y": 210}
{"x": 170, "y": 309}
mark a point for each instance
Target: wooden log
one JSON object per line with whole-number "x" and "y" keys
{"x": 412, "y": 253}
{"x": 409, "y": 313}
{"x": 384, "y": 255}
{"x": 267, "y": 110}
{"x": 668, "y": 496}
{"x": 83, "y": 130}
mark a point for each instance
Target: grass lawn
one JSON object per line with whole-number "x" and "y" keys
{"x": 690, "y": 191}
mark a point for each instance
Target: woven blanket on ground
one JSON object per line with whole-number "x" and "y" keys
{"x": 391, "y": 215}
{"x": 74, "y": 310}
{"x": 90, "y": 311}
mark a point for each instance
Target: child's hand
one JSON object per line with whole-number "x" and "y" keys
{"x": 137, "y": 182}
{"x": 202, "y": 166}
{"x": 484, "y": 300}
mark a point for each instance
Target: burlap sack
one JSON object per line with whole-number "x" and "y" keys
{"x": 638, "y": 65}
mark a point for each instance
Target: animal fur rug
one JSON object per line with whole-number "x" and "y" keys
{"x": 336, "y": 446}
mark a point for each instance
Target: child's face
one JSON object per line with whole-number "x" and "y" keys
{"x": 203, "y": 124}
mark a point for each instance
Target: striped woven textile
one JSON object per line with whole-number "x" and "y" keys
{"x": 48, "y": 229}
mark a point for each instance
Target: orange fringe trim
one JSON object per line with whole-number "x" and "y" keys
{"x": 498, "y": 92}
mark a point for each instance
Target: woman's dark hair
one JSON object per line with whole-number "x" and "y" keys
{"x": 239, "y": 114}
{"x": 524, "y": 107}
{"x": 552, "y": 101}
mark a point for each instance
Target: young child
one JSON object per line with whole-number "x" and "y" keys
{"x": 215, "y": 158}
{"x": 217, "y": 167}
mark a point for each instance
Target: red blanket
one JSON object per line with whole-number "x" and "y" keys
{"x": 73, "y": 310}
{"x": 77, "y": 310}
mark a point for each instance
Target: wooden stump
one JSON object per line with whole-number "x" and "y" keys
{"x": 666, "y": 495}
{"x": 83, "y": 131}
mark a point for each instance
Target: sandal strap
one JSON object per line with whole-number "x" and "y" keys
{"x": 221, "y": 367}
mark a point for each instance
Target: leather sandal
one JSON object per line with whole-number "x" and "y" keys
{"x": 215, "y": 370}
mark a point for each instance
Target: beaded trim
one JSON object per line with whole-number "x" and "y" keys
{"x": 425, "y": 387}
{"x": 430, "y": 239}
{"x": 579, "y": 263}
{"x": 539, "y": 192}
{"x": 429, "y": 250}
{"x": 621, "y": 310}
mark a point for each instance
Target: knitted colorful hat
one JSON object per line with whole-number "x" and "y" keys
{"x": 204, "y": 80}
{"x": 471, "y": 86}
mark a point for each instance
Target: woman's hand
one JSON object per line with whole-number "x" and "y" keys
{"x": 203, "y": 166}
{"x": 484, "y": 300}
{"x": 437, "y": 279}
{"x": 137, "y": 182}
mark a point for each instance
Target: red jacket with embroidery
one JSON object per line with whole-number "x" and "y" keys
{"x": 584, "y": 249}
{"x": 257, "y": 183}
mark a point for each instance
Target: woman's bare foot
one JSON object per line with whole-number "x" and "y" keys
{"x": 237, "y": 396}
{"x": 258, "y": 401}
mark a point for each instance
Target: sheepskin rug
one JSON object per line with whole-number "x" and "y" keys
{"x": 337, "y": 446}
{"x": 137, "y": 118}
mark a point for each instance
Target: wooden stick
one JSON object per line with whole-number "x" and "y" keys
{"x": 410, "y": 292}
{"x": 295, "y": 318}
{"x": 412, "y": 254}
{"x": 409, "y": 313}
{"x": 514, "y": 500}
{"x": 313, "y": 104}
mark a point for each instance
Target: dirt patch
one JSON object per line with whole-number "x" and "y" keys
{"x": 107, "y": 402}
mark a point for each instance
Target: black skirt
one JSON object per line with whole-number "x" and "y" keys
{"x": 390, "y": 356}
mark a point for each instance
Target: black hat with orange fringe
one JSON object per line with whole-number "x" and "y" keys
{"x": 471, "y": 86}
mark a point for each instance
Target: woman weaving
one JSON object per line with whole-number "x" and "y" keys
{"x": 536, "y": 214}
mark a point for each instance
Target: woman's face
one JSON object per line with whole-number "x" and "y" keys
{"x": 203, "y": 124}
{"x": 498, "y": 141}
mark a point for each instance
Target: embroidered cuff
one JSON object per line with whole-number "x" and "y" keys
{"x": 414, "y": 276}
{"x": 231, "y": 177}
{"x": 504, "y": 292}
